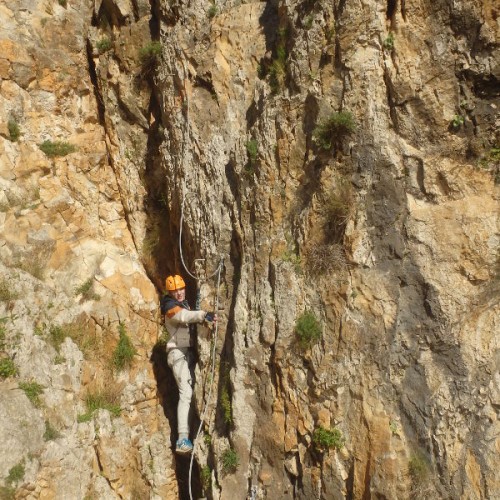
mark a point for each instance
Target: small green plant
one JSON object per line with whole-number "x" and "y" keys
{"x": 35, "y": 266}
{"x": 59, "y": 360}
{"x": 308, "y": 22}
{"x": 149, "y": 54}
{"x": 86, "y": 290}
{"x": 7, "y": 493}
{"x": 389, "y": 42}
{"x": 492, "y": 157}
{"x": 457, "y": 121}
{"x": 225, "y": 397}
{"x": 14, "y": 130}
{"x": 32, "y": 391}
{"x": 103, "y": 45}
{"x": 393, "y": 426}
{"x": 7, "y": 368}
{"x": 3, "y": 335}
{"x": 84, "y": 417}
{"x": 104, "y": 398}
{"x": 277, "y": 71}
{"x": 50, "y": 432}
{"x": 252, "y": 150}
{"x": 295, "y": 259}
{"x": 328, "y": 438}
{"x": 230, "y": 461}
{"x": 207, "y": 439}
{"x": 125, "y": 350}
{"x": 225, "y": 401}
{"x": 249, "y": 170}
{"x": 6, "y": 292}
{"x": 333, "y": 129}
{"x": 206, "y": 477}
{"x": 418, "y": 468}
{"x": 56, "y": 148}
{"x": 15, "y": 474}
{"x": 212, "y": 11}
{"x": 495, "y": 154}
{"x": 57, "y": 334}
{"x": 307, "y": 329}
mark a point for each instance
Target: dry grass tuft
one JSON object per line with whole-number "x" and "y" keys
{"x": 323, "y": 259}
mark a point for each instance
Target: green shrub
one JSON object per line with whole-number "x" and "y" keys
{"x": 14, "y": 130}
{"x": 207, "y": 439}
{"x": 50, "y": 432}
{"x": 307, "y": 329}
{"x": 32, "y": 391}
{"x": 492, "y": 157}
{"x": 230, "y": 461}
{"x": 418, "y": 468}
{"x": 7, "y": 493}
{"x": 333, "y": 129}
{"x": 389, "y": 42}
{"x": 149, "y": 54}
{"x": 86, "y": 290}
{"x": 7, "y": 368}
{"x": 227, "y": 410}
{"x": 15, "y": 474}
{"x": 494, "y": 154}
{"x": 34, "y": 265}
{"x": 103, "y": 45}
{"x": 125, "y": 351}
{"x": 327, "y": 438}
{"x": 57, "y": 148}
{"x": 277, "y": 72}
{"x": 295, "y": 259}
{"x": 212, "y": 11}
{"x": 206, "y": 477}
{"x": 105, "y": 398}
{"x": 6, "y": 292}
{"x": 57, "y": 334}
{"x": 3, "y": 334}
{"x": 252, "y": 150}
{"x": 84, "y": 417}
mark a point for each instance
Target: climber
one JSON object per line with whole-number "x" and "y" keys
{"x": 178, "y": 317}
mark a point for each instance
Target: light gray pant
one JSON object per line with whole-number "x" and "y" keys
{"x": 178, "y": 363}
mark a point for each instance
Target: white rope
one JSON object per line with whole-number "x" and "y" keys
{"x": 212, "y": 378}
{"x": 217, "y": 272}
{"x": 197, "y": 278}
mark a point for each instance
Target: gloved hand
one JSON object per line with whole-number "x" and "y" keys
{"x": 210, "y": 317}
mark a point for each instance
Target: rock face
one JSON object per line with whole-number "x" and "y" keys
{"x": 343, "y": 161}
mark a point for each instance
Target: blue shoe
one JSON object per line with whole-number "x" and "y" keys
{"x": 183, "y": 446}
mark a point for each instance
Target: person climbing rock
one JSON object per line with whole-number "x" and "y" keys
{"x": 178, "y": 318}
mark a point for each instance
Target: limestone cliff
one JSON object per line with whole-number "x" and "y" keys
{"x": 341, "y": 157}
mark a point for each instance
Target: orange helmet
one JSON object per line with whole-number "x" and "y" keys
{"x": 174, "y": 283}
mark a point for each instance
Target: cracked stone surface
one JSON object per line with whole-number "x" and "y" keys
{"x": 389, "y": 237}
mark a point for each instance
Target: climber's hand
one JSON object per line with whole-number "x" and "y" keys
{"x": 211, "y": 317}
